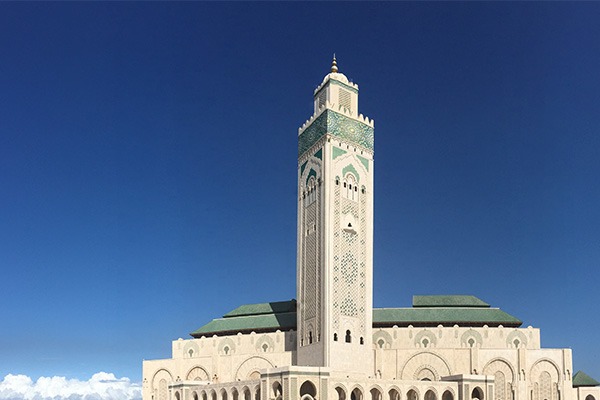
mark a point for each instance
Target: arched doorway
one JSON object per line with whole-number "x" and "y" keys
{"x": 341, "y": 393}
{"x": 394, "y": 394}
{"x": 277, "y": 390}
{"x": 477, "y": 394}
{"x": 356, "y": 394}
{"x": 430, "y": 395}
{"x": 375, "y": 394}
{"x": 308, "y": 388}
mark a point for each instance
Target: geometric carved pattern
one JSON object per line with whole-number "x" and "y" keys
{"x": 516, "y": 339}
{"x": 424, "y": 360}
{"x": 425, "y": 374}
{"x": 250, "y": 367}
{"x": 425, "y": 338}
{"x": 336, "y": 250}
{"x": 309, "y": 231}
{"x": 500, "y": 386}
{"x": 382, "y": 339}
{"x": 351, "y": 266}
{"x": 160, "y": 381}
{"x": 544, "y": 376}
{"x": 471, "y": 338}
{"x": 338, "y": 125}
{"x": 226, "y": 346}
{"x": 503, "y": 378}
{"x": 545, "y": 386}
{"x": 310, "y": 266}
{"x": 191, "y": 349}
{"x": 265, "y": 344}
{"x": 544, "y": 365}
{"x": 197, "y": 374}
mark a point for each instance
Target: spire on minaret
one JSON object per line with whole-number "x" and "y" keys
{"x": 334, "y": 67}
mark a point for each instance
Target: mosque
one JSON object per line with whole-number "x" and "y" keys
{"x": 331, "y": 343}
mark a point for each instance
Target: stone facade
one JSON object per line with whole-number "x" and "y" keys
{"x": 332, "y": 344}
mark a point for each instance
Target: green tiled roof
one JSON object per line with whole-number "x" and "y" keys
{"x": 247, "y": 324}
{"x": 581, "y": 379}
{"x": 427, "y": 311}
{"x": 448, "y": 301}
{"x": 263, "y": 308}
{"x": 462, "y": 316}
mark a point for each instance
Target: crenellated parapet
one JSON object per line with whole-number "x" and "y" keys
{"x": 338, "y": 124}
{"x": 339, "y": 109}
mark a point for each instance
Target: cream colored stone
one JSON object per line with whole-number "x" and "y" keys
{"x": 406, "y": 363}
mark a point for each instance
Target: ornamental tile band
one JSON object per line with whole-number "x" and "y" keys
{"x": 338, "y": 125}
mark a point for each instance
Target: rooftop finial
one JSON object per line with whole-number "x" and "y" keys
{"x": 334, "y": 67}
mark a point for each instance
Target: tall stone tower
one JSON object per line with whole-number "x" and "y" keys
{"x": 335, "y": 231}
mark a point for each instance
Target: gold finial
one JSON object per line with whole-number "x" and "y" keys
{"x": 334, "y": 67}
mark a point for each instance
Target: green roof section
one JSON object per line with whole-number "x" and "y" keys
{"x": 263, "y": 308}
{"x": 449, "y": 316}
{"x": 427, "y": 311}
{"x": 581, "y": 379}
{"x": 247, "y": 324}
{"x": 448, "y": 301}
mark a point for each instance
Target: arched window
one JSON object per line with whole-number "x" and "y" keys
{"x": 308, "y": 388}
{"x": 277, "y": 391}
{"x": 234, "y": 394}
{"x": 477, "y": 393}
{"x": 350, "y": 188}
{"x": 348, "y": 337}
{"x": 412, "y": 395}
{"x": 447, "y": 395}
{"x": 247, "y": 395}
{"x": 430, "y": 395}
{"x": 356, "y": 394}
{"x": 589, "y": 397}
{"x": 375, "y": 394}
{"x": 394, "y": 395}
{"x": 223, "y": 395}
{"x": 341, "y": 394}
{"x": 177, "y": 396}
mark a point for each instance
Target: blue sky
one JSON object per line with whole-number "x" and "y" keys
{"x": 148, "y": 165}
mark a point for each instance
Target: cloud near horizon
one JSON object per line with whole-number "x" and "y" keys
{"x": 101, "y": 386}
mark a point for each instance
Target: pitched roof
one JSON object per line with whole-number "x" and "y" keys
{"x": 263, "y": 308}
{"x": 427, "y": 311}
{"x": 448, "y": 301}
{"x": 449, "y": 316}
{"x": 581, "y": 379}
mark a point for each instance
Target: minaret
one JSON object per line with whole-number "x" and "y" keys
{"x": 335, "y": 231}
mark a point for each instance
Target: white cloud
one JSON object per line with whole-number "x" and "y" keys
{"x": 101, "y": 386}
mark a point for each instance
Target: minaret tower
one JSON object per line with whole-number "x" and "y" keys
{"x": 335, "y": 231}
